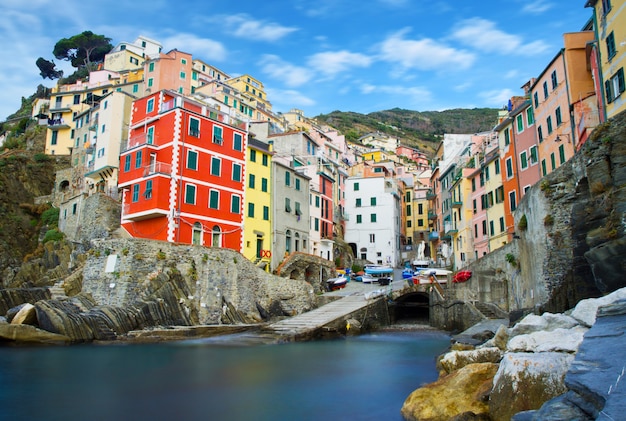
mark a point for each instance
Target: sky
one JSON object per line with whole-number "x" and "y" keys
{"x": 317, "y": 56}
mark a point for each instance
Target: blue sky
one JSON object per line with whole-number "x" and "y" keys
{"x": 321, "y": 56}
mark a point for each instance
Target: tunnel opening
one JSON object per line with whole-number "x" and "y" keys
{"x": 411, "y": 309}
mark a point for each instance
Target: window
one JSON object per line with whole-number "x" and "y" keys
{"x": 610, "y": 46}
{"x": 512, "y": 201}
{"x": 264, "y": 185}
{"x": 496, "y": 166}
{"x": 287, "y": 205}
{"x": 561, "y": 155}
{"x": 317, "y": 201}
{"x": 264, "y": 160}
{"x": 484, "y": 228}
{"x": 420, "y": 209}
{"x": 135, "y": 88}
{"x": 491, "y": 228}
{"x": 266, "y": 213}
{"x": 500, "y": 194}
{"x": 237, "y": 141}
{"x": 356, "y": 186}
{"x": 215, "y": 166}
{"x": 150, "y": 82}
{"x": 530, "y": 116}
{"x": 554, "y": 80}
{"x": 150, "y": 105}
{"x": 135, "y": 192}
{"x": 540, "y": 133}
{"x": 549, "y": 122}
{"x": 250, "y": 210}
{"x": 252, "y": 155}
{"x": 520, "y": 123}
{"x": 358, "y": 203}
{"x": 606, "y": 6}
{"x": 251, "y": 181}
{"x": 358, "y": 219}
{"x": 523, "y": 159}
{"x": 502, "y": 224}
{"x": 287, "y": 178}
{"x": 372, "y": 217}
{"x": 76, "y": 99}
{"x": 194, "y": 127}
{"x": 190, "y": 194}
{"x": 475, "y": 230}
{"x": 217, "y": 135}
{"x": 55, "y": 135}
{"x": 409, "y": 224}
{"x": 372, "y": 201}
{"x": 138, "y": 160}
{"x": 183, "y": 75}
{"x": 127, "y": 163}
{"x": 534, "y": 158}
{"x": 544, "y": 170}
{"x": 298, "y": 210}
{"x": 183, "y": 61}
{"x": 297, "y": 184}
{"x": 214, "y": 199}
{"x": 236, "y": 172}
{"x": 148, "y": 192}
{"x": 545, "y": 90}
{"x": 487, "y": 173}
{"x": 557, "y": 114}
{"x": 475, "y": 209}
{"x": 151, "y": 67}
{"x": 192, "y": 160}
{"x": 150, "y": 135}
{"x": 507, "y": 137}
{"x": 474, "y": 184}
{"x": 372, "y": 238}
{"x": 536, "y": 99}
{"x": 408, "y": 210}
{"x": 552, "y": 161}
{"x": 509, "y": 168}
{"x": 614, "y": 86}
{"x": 235, "y": 204}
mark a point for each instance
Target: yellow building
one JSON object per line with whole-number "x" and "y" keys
{"x": 257, "y": 235}
{"x": 253, "y": 90}
{"x": 610, "y": 26}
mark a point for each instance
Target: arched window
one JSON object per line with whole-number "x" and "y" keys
{"x": 196, "y": 235}
{"x": 216, "y": 236}
{"x": 288, "y": 241}
{"x": 297, "y": 241}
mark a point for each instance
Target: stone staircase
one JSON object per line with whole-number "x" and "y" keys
{"x": 487, "y": 310}
{"x": 57, "y": 292}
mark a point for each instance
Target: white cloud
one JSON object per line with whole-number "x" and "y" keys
{"x": 200, "y": 47}
{"x": 289, "y": 74}
{"x": 483, "y": 35}
{"x": 413, "y": 94}
{"x": 333, "y": 62}
{"x": 243, "y": 26}
{"x": 537, "y": 7}
{"x": 496, "y": 98}
{"x": 423, "y": 54}
{"x": 286, "y": 99}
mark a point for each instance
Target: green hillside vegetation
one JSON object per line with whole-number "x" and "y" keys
{"x": 420, "y": 129}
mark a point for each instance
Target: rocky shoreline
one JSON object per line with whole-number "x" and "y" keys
{"x": 554, "y": 366}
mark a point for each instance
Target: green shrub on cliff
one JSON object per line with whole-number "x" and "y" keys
{"x": 52, "y": 235}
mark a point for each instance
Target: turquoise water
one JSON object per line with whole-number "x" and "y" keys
{"x": 364, "y": 377}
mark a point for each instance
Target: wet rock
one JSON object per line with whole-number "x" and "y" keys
{"x": 586, "y": 310}
{"x": 545, "y": 322}
{"x": 557, "y": 340}
{"x": 463, "y": 391}
{"x": 31, "y": 334}
{"x": 456, "y": 360}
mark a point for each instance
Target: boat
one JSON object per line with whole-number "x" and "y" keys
{"x": 378, "y": 270}
{"x": 366, "y": 278}
{"x": 430, "y": 275}
{"x": 461, "y": 276}
{"x": 334, "y": 284}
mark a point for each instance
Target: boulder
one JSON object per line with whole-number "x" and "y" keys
{"x": 545, "y": 322}
{"x": 25, "y": 316}
{"x": 461, "y": 392}
{"x": 31, "y": 334}
{"x": 456, "y": 360}
{"x": 557, "y": 340}
{"x": 585, "y": 311}
{"x": 525, "y": 381}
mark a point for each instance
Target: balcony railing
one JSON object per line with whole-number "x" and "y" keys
{"x": 430, "y": 195}
{"x": 456, "y": 203}
{"x": 157, "y": 168}
{"x": 432, "y": 215}
{"x": 57, "y": 123}
{"x": 140, "y": 140}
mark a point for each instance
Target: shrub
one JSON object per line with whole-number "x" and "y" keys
{"x": 50, "y": 217}
{"x": 523, "y": 223}
{"x": 52, "y": 235}
{"x": 511, "y": 259}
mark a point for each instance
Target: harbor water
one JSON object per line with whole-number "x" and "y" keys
{"x": 365, "y": 377}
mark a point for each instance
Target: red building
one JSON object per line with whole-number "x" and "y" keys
{"x": 182, "y": 173}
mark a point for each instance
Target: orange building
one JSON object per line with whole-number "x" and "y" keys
{"x": 182, "y": 173}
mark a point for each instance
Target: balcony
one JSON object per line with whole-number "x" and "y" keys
{"x": 140, "y": 140}
{"x": 456, "y": 203}
{"x": 430, "y": 195}
{"x": 131, "y": 213}
{"x": 432, "y": 215}
{"x": 57, "y": 123}
{"x": 433, "y": 236}
{"x": 450, "y": 229}
{"x": 159, "y": 168}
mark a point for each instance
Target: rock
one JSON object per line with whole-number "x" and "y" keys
{"x": 501, "y": 337}
{"x": 353, "y": 327}
{"x": 557, "y": 340}
{"x": 607, "y": 264}
{"x": 545, "y": 322}
{"x": 525, "y": 381}
{"x": 3, "y": 320}
{"x": 585, "y": 310}
{"x": 31, "y": 334}
{"x": 460, "y": 392}
{"x": 456, "y": 360}
{"x": 25, "y": 316}
{"x": 556, "y": 409}
{"x": 598, "y": 372}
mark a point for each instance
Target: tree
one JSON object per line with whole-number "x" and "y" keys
{"x": 47, "y": 69}
{"x": 83, "y": 49}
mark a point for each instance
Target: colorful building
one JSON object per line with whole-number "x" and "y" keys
{"x": 182, "y": 173}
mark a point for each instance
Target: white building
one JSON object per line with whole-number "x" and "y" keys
{"x": 374, "y": 217}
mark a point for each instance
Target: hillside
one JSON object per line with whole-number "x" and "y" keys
{"x": 421, "y": 129}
